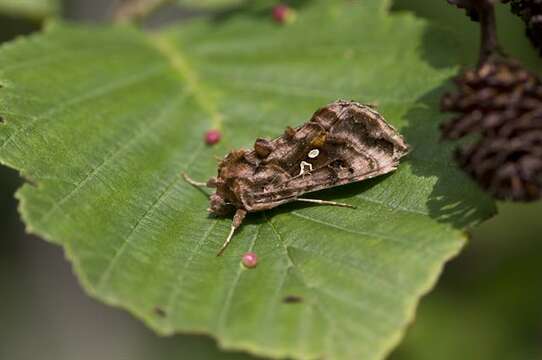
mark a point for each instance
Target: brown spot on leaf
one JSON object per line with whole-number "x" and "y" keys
{"x": 292, "y": 299}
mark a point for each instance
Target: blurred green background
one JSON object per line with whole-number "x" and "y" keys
{"x": 487, "y": 305}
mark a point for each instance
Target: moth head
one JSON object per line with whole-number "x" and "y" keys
{"x": 218, "y": 206}
{"x": 212, "y": 182}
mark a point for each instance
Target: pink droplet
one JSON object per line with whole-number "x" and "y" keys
{"x": 212, "y": 137}
{"x": 281, "y": 13}
{"x": 250, "y": 260}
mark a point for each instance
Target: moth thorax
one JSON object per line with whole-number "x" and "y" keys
{"x": 289, "y": 133}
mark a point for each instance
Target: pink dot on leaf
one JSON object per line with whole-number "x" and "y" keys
{"x": 250, "y": 260}
{"x": 282, "y": 14}
{"x": 212, "y": 137}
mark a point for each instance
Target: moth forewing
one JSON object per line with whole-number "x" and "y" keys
{"x": 344, "y": 142}
{"x": 298, "y": 187}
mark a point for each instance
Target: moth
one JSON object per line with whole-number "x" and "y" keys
{"x": 344, "y": 142}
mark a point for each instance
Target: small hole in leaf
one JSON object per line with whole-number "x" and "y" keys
{"x": 2, "y": 120}
{"x": 160, "y": 312}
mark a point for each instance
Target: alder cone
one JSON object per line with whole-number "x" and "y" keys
{"x": 495, "y": 94}
{"x": 501, "y": 102}
{"x": 531, "y": 13}
{"x": 509, "y": 168}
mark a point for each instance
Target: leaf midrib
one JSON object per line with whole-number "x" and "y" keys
{"x": 180, "y": 65}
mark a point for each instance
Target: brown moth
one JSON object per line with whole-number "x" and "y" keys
{"x": 344, "y": 142}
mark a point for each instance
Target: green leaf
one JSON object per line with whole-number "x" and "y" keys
{"x": 101, "y": 121}
{"x": 35, "y": 9}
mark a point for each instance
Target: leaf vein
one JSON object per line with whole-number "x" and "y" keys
{"x": 361, "y": 233}
{"x": 182, "y": 274}
{"x": 94, "y": 94}
{"x": 224, "y": 310}
{"x": 108, "y": 271}
{"x": 111, "y": 156}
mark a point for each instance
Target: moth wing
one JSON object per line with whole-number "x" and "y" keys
{"x": 357, "y": 144}
{"x": 319, "y": 179}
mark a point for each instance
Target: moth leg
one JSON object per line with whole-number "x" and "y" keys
{"x": 325, "y": 202}
{"x": 188, "y": 179}
{"x": 237, "y": 221}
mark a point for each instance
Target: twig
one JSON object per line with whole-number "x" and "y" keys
{"x": 489, "y": 44}
{"x": 484, "y": 12}
{"x": 134, "y": 10}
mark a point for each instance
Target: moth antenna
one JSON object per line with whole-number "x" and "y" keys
{"x": 325, "y": 202}
{"x": 189, "y": 180}
{"x": 237, "y": 221}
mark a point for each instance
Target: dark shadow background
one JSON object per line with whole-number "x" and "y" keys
{"x": 487, "y": 305}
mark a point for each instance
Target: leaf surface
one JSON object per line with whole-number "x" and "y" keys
{"x": 101, "y": 121}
